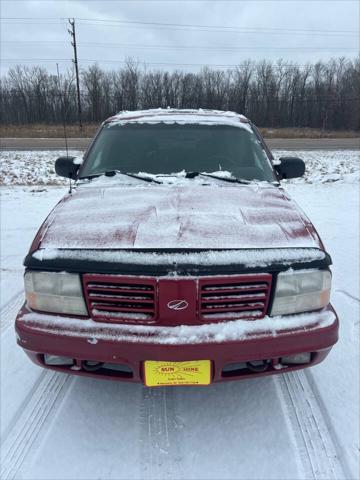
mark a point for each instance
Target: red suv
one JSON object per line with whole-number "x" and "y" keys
{"x": 177, "y": 258}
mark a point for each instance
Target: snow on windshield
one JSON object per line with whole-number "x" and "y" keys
{"x": 182, "y": 117}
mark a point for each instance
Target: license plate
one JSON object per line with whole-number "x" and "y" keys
{"x": 196, "y": 372}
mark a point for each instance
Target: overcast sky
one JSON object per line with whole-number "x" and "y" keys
{"x": 297, "y": 31}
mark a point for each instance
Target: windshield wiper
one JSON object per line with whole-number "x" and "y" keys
{"x": 142, "y": 177}
{"x": 112, "y": 173}
{"x": 225, "y": 179}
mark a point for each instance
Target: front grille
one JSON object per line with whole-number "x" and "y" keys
{"x": 112, "y": 298}
{"x": 122, "y": 299}
{"x": 243, "y": 296}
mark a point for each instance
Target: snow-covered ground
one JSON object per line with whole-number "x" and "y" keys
{"x": 301, "y": 425}
{"x": 37, "y": 167}
{"x": 32, "y": 167}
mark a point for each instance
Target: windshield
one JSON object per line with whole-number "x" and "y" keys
{"x": 167, "y": 149}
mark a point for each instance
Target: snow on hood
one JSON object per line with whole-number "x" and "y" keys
{"x": 251, "y": 258}
{"x": 177, "y": 217}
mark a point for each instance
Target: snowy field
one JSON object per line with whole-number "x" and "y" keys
{"x": 37, "y": 167}
{"x": 300, "y": 425}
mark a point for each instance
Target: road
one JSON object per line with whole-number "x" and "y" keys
{"x": 275, "y": 143}
{"x": 296, "y": 425}
{"x": 163, "y": 426}
{"x": 135, "y": 432}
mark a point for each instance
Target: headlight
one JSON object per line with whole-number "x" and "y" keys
{"x": 301, "y": 291}
{"x": 56, "y": 292}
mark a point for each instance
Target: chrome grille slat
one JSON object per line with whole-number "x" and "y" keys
{"x": 231, "y": 287}
{"x": 228, "y": 300}
{"x": 121, "y": 301}
{"x": 243, "y": 296}
{"x": 116, "y": 289}
{"x": 121, "y": 295}
{"x": 114, "y": 308}
{"x": 112, "y": 298}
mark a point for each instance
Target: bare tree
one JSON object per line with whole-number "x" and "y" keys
{"x": 274, "y": 94}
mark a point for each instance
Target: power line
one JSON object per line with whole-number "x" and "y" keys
{"x": 187, "y": 47}
{"x": 229, "y": 27}
{"x": 13, "y": 60}
{"x": 225, "y": 27}
{"x": 124, "y": 62}
{"x": 32, "y": 41}
{"x": 196, "y": 1}
{"x": 231, "y": 49}
{"x": 140, "y": 62}
{"x": 255, "y": 31}
{"x": 35, "y": 23}
{"x": 218, "y": 28}
{"x": 30, "y": 18}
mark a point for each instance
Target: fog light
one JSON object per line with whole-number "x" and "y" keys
{"x": 55, "y": 360}
{"x": 297, "y": 359}
{"x": 91, "y": 366}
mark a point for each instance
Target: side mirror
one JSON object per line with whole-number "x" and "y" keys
{"x": 67, "y": 167}
{"x": 290, "y": 167}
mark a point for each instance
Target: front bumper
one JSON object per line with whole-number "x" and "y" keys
{"x": 40, "y": 334}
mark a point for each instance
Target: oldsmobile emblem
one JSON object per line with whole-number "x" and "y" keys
{"x": 177, "y": 304}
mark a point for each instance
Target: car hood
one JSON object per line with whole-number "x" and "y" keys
{"x": 177, "y": 217}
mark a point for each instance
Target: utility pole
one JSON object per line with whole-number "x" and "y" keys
{"x": 75, "y": 61}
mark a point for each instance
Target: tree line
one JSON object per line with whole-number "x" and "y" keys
{"x": 322, "y": 95}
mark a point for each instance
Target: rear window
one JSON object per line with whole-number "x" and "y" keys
{"x": 166, "y": 149}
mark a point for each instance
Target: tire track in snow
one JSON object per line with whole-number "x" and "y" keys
{"x": 41, "y": 403}
{"x": 348, "y": 295}
{"x": 337, "y": 444}
{"x": 23, "y": 404}
{"x": 316, "y": 442}
{"x": 9, "y": 311}
{"x": 161, "y": 435}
